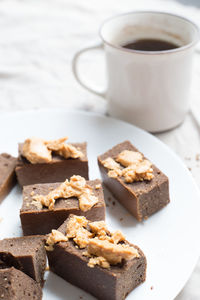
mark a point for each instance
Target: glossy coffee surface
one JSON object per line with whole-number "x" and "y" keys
{"x": 150, "y": 45}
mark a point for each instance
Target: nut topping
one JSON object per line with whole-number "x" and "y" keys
{"x": 113, "y": 253}
{"x": 127, "y": 158}
{"x": 76, "y": 187}
{"x": 55, "y": 237}
{"x": 102, "y": 247}
{"x": 133, "y": 166}
{"x": 37, "y": 150}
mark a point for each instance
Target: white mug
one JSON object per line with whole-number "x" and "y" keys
{"x": 147, "y": 88}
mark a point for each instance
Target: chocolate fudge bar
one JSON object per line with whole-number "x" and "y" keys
{"x": 26, "y": 254}
{"x": 57, "y": 170}
{"x": 7, "y": 174}
{"x": 41, "y": 220}
{"x": 140, "y": 187}
{"x": 15, "y": 285}
{"x": 87, "y": 255}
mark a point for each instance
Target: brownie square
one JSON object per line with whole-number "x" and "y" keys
{"x": 56, "y": 171}
{"x": 67, "y": 261}
{"x": 15, "y": 285}
{"x": 42, "y": 221}
{"x": 7, "y": 174}
{"x": 142, "y": 198}
{"x": 26, "y": 254}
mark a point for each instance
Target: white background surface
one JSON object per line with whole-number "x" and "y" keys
{"x": 37, "y": 41}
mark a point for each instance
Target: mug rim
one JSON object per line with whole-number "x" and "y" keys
{"x": 181, "y": 48}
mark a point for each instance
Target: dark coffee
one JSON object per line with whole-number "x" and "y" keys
{"x": 150, "y": 45}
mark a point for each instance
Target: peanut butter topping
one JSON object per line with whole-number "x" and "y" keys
{"x": 35, "y": 151}
{"x": 74, "y": 224}
{"x": 133, "y": 167}
{"x": 115, "y": 173}
{"x": 113, "y": 253}
{"x": 53, "y": 238}
{"x": 111, "y": 164}
{"x": 82, "y": 237}
{"x": 98, "y": 227}
{"x": 76, "y": 187}
{"x": 127, "y": 158}
{"x": 76, "y": 230}
{"x": 102, "y": 247}
{"x": 40, "y": 151}
{"x": 68, "y": 151}
{"x": 55, "y": 145}
{"x": 117, "y": 237}
{"x": 62, "y": 149}
{"x": 140, "y": 172}
{"x": 99, "y": 260}
{"x": 87, "y": 200}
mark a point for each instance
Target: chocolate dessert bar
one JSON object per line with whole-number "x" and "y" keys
{"x": 26, "y": 254}
{"x": 100, "y": 262}
{"x": 7, "y": 174}
{"x": 135, "y": 182}
{"x": 15, "y": 285}
{"x": 41, "y": 212}
{"x": 35, "y": 166}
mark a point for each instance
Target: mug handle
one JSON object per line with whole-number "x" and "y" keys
{"x": 76, "y": 73}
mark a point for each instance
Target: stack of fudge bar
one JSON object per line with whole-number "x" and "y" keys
{"x": 63, "y": 217}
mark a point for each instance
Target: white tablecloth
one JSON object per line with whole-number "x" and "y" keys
{"x": 37, "y": 41}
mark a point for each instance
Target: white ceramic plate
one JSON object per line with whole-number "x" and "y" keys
{"x": 169, "y": 239}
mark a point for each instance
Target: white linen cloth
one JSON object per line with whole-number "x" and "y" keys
{"x": 38, "y": 39}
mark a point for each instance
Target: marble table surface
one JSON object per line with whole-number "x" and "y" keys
{"x": 38, "y": 39}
